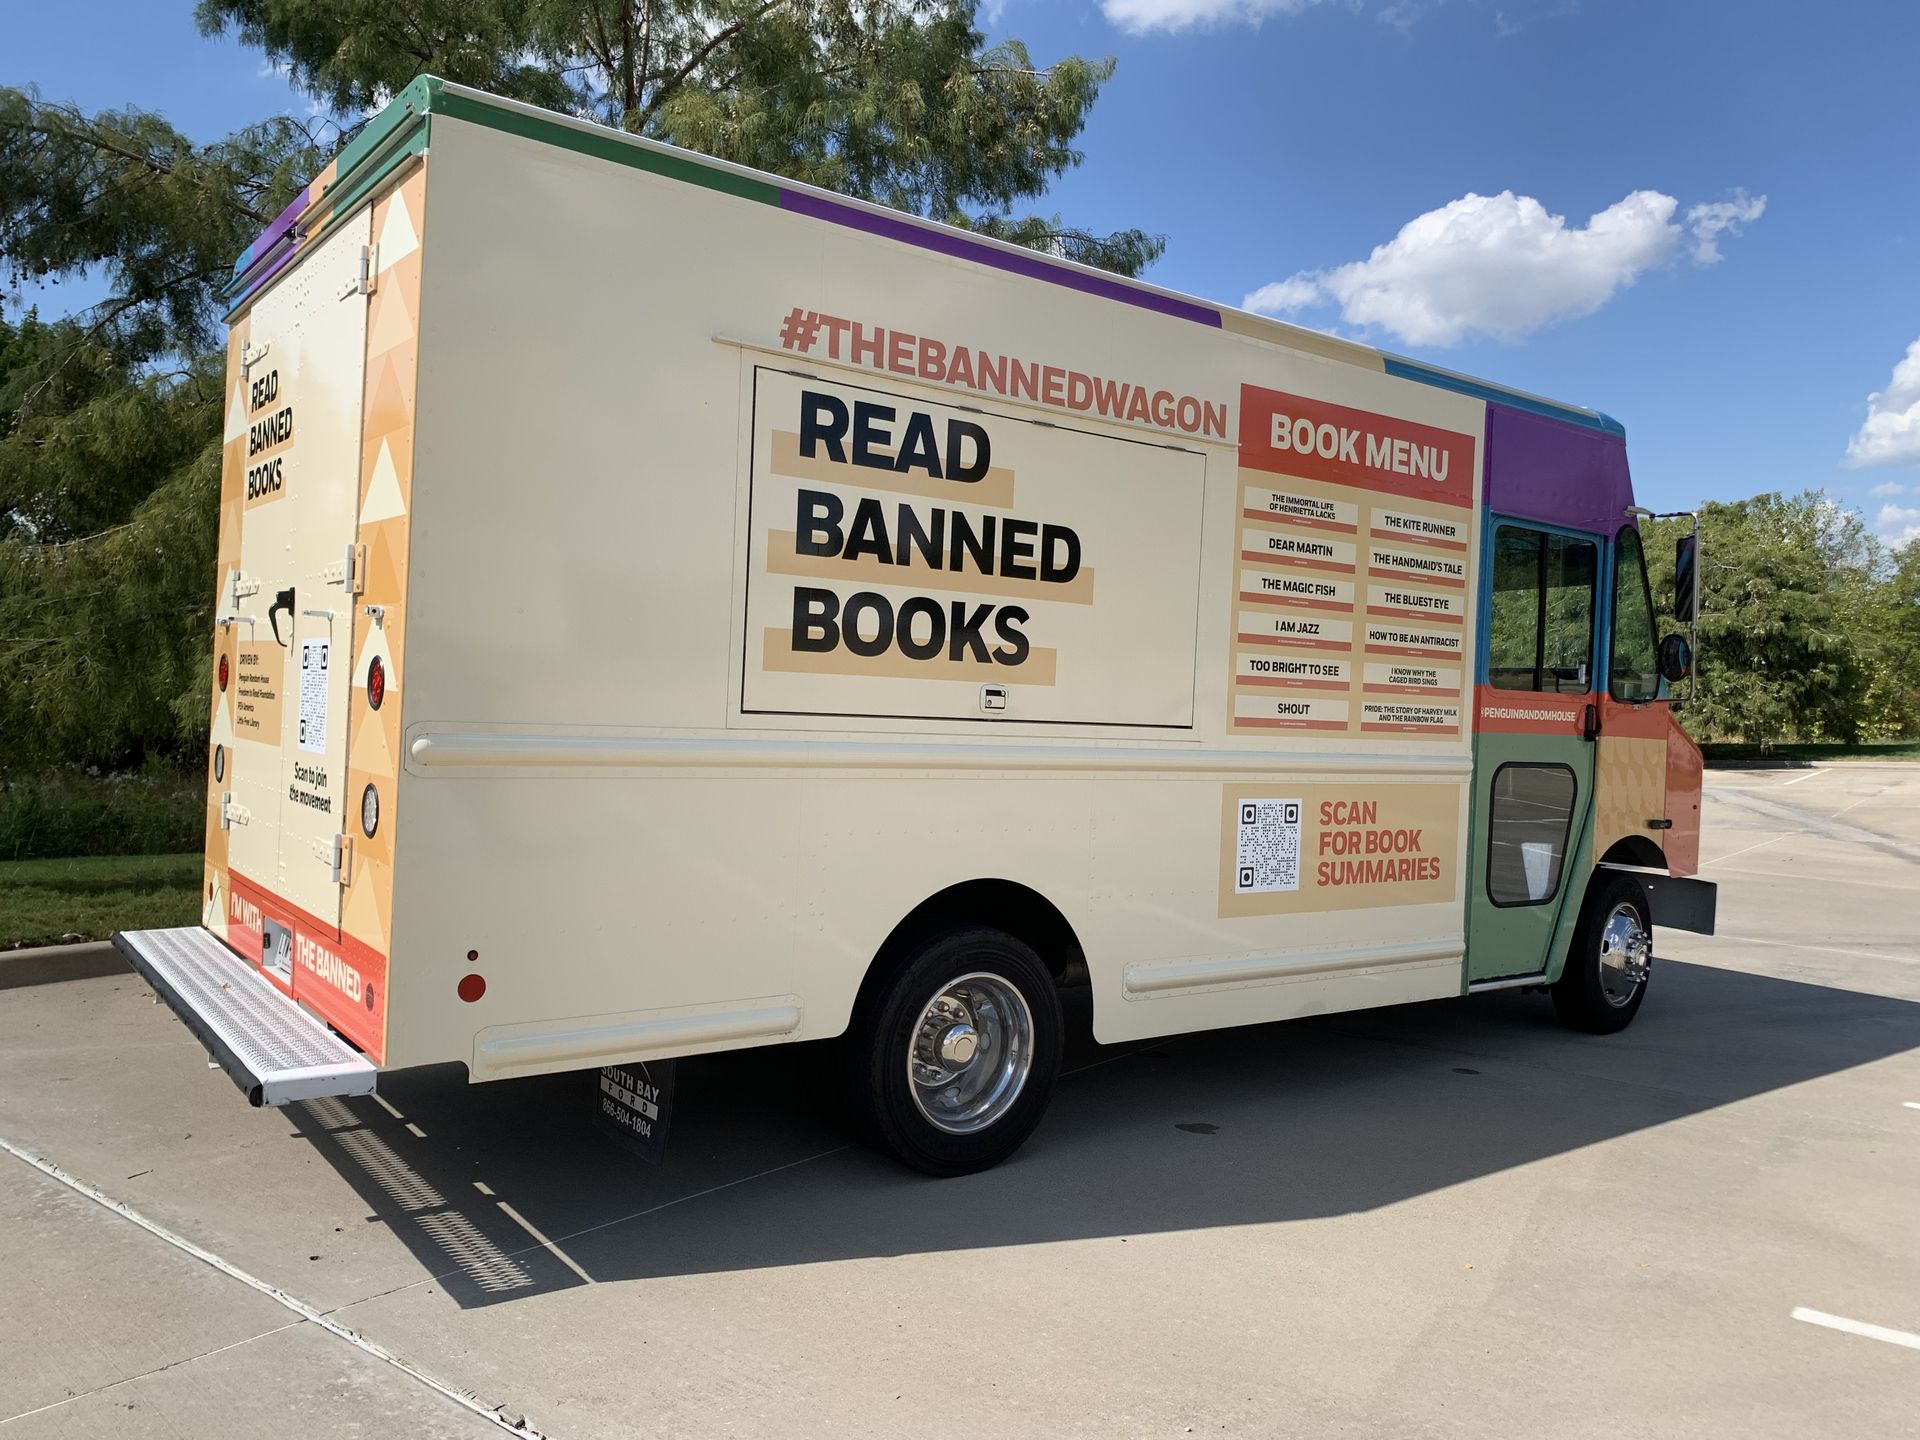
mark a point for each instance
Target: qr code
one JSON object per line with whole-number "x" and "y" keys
{"x": 1267, "y": 857}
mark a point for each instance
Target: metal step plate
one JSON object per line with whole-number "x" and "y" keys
{"x": 275, "y": 1051}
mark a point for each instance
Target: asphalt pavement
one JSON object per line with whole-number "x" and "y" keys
{"x": 1451, "y": 1219}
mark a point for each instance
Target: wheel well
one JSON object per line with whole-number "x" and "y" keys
{"x": 1003, "y": 904}
{"x": 1635, "y": 850}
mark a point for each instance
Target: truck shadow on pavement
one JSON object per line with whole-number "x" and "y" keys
{"x": 505, "y": 1191}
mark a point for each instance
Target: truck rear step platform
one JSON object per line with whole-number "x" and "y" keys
{"x": 275, "y": 1051}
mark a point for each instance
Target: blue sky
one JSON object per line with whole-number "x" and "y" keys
{"x": 1426, "y": 175}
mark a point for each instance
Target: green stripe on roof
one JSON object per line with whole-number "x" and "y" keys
{"x": 343, "y": 200}
{"x": 410, "y": 104}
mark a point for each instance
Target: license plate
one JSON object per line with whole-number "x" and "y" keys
{"x": 276, "y": 948}
{"x": 634, "y": 1106}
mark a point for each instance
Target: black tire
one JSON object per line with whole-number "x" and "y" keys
{"x": 877, "y": 1047}
{"x": 1583, "y": 998}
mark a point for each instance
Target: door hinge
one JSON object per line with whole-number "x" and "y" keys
{"x": 341, "y": 861}
{"x": 353, "y": 571}
{"x": 230, "y": 813}
{"x": 252, "y": 355}
{"x": 363, "y": 283}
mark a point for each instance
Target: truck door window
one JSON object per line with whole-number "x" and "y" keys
{"x": 1541, "y": 630}
{"x": 1634, "y": 672}
{"x": 1527, "y": 826}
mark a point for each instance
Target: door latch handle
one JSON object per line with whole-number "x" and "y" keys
{"x": 283, "y": 601}
{"x": 1589, "y": 723}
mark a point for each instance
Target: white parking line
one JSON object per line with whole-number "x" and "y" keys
{"x": 1906, "y": 889}
{"x": 1892, "y": 955}
{"x": 299, "y": 1307}
{"x": 1808, "y": 776}
{"x": 1857, "y": 1327}
{"x": 1722, "y": 859}
{"x": 1911, "y": 1104}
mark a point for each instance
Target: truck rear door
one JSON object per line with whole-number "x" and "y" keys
{"x": 292, "y": 594}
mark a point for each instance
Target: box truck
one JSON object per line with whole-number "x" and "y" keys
{"x": 665, "y": 609}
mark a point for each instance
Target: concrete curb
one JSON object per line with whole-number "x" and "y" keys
{"x": 47, "y": 964}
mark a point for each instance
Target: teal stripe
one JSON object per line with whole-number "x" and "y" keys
{"x": 344, "y": 200}
{"x": 409, "y": 105}
{"x": 1480, "y": 390}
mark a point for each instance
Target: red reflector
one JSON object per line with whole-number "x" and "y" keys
{"x": 472, "y": 987}
{"x": 223, "y": 672}
{"x": 376, "y": 683}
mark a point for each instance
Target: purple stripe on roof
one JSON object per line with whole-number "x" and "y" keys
{"x": 272, "y": 235}
{"x": 1557, "y": 473}
{"x": 1033, "y": 266}
{"x": 272, "y": 268}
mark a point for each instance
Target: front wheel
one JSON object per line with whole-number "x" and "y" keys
{"x": 950, "y": 1067}
{"x": 1611, "y": 958}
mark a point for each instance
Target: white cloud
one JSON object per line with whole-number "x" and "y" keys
{"x": 1402, "y": 15}
{"x": 1899, "y": 525}
{"x": 1504, "y": 266}
{"x": 1141, "y": 17}
{"x": 1723, "y": 217}
{"x": 1283, "y": 296}
{"x": 1888, "y": 487}
{"x": 1497, "y": 265}
{"x": 1890, "y": 435}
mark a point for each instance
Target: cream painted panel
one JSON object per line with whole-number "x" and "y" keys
{"x": 304, "y": 399}
{"x": 579, "y": 553}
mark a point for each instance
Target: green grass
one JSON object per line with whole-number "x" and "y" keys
{"x": 48, "y": 902}
{"x": 1728, "y": 753}
{"x": 55, "y": 813}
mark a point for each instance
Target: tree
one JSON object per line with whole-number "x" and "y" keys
{"x": 163, "y": 217}
{"x": 895, "y": 101}
{"x": 1796, "y": 623}
{"x": 110, "y": 420}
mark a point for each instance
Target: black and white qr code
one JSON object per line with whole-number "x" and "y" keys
{"x": 1267, "y": 857}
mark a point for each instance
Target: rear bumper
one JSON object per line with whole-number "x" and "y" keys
{"x": 274, "y": 1051}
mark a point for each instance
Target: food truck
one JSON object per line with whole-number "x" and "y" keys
{"x": 664, "y": 609}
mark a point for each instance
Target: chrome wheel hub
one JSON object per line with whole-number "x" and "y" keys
{"x": 972, "y": 1048}
{"x": 1626, "y": 954}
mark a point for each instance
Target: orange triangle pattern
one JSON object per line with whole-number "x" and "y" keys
{"x": 386, "y": 468}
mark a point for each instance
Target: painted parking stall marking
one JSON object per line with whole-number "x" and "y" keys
{"x": 1862, "y": 1328}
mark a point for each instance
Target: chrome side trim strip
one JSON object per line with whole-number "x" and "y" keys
{"x": 534, "y": 750}
{"x": 1155, "y": 977}
{"x": 607, "y": 1040}
{"x": 1506, "y": 982}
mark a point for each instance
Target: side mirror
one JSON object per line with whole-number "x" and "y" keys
{"x": 1676, "y": 658}
{"x": 1684, "y": 554}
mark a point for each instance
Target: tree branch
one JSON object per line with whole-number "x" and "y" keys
{"x": 700, "y": 57}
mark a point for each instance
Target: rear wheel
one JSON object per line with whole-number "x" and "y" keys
{"x": 1610, "y": 960}
{"x": 950, "y": 1066}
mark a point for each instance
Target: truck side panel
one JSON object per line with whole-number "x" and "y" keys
{"x": 644, "y": 865}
